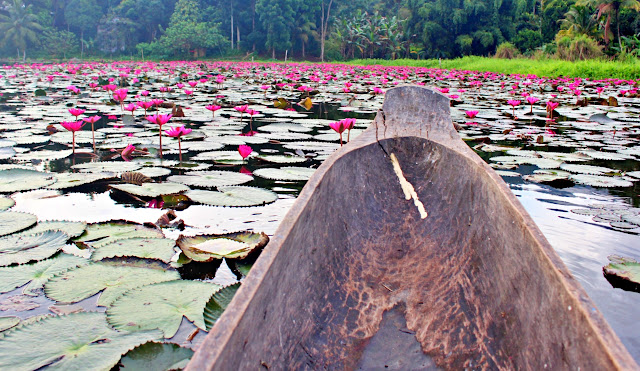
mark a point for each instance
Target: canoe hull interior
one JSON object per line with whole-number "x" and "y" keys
{"x": 361, "y": 280}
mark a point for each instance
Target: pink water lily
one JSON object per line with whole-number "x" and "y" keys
{"x": 599, "y": 90}
{"x": 551, "y": 106}
{"x": 532, "y": 100}
{"x": 131, "y": 107}
{"x": 76, "y": 112}
{"x": 513, "y": 103}
{"x": 213, "y": 108}
{"x": 471, "y": 114}
{"x": 127, "y": 152}
{"x": 92, "y": 120}
{"x": 144, "y": 105}
{"x": 73, "y": 127}
{"x": 160, "y": 120}
{"x": 244, "y": 151}
{"x": 339, "y": 127}
{"x": 251, "y": 114}
{"x": 178, "y": 132}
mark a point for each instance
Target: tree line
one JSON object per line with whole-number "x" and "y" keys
{"x": 318, "y": 29}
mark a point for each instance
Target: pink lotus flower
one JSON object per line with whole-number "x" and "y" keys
{"x": 188, "y": 92}
{"x": 157, "y": 102}
{"x": 244, "y": 151}
{"x": 339, "y": 127}
{"x": 213, "y": 108}
{"x": 180, "y": 85}
{"x": 551, "y": 106}
{"x": 160, "y": 120}
{"x": 241, "y": 109}
{"x": 128, "y": 151}
{"x": 377, "y": 90}
{"x": 74, "y": 89}
{"x": 155, "y": 204}
{"x": 73, "y": 127}
{"x": 193, "y": 84}
{"x": 131, "y": 107}
{"x": 178, "y": 132}
{"x": 532, "y": 100}
{"x": 513, "y": 103}
{"x": 471, "y": 114}
{"x": 144, "y": 105}
{"x": 76, "y": 112}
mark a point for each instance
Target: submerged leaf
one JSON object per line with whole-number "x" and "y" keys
{"x": 113, "y": 281}
{"x": 161, "y": 306}
{"x": 78, "y": 341}
{"x": 157, "y": 357}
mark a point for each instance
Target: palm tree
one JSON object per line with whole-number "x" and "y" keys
{"x": 19, "y": 26}
{"x": 609, "y": 7}
{"x": 579, "y": 20}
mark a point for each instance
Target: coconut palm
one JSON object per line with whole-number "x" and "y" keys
{"x": 19, "y": 26}
{"x": 610, "y": 7}
{"x": 579, "y": 20}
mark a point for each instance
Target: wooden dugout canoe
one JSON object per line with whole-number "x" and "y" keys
{"x": 458, "y": 276}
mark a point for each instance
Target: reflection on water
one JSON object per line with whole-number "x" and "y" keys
{"x": 584, "y": 246}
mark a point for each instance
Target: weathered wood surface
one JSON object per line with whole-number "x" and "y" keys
{"x": 355, "y": 278}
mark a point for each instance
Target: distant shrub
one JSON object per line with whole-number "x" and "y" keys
{"x": 507, "y": 50}
{"x": 528, "y": 40}
{"x": 581, "y": 48}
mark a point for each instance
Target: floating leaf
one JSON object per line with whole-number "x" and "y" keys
{"x": 623, "y": 272}
{"x": 152, "y": 189}
{"x": 80, "y": 341}
{"x": 280, "y": 159}
{"x": 205, "y": 248}
{"x": 234, "y": 196}
{"x": 100, "y": 234}
{"x": 157, "y": 357}
{"x": 154, "y": 172}
{"x": 44, "y": 155}
{"x": 587, "y": 169}
{"x": 600, "y": 181}
{"x": 144, "y": 248}
{"x": 285, "y": 173}
{"x": 68, "y": 180}
{"x": 211, "y": 179}
{"x": 6, "y": 203}
{"x": 36, "y": 274}
{"x": 18, "y": 303}
{"x": 86, "y": 281}
{"x": 13, "y": 221}
{"x": 117, "y": 167}
{"x": 8, "y": 322}
{"x": 14, "y": 180}
{"x": 20, "y": 249}
{"x": 218, "y": 303}
{"x": 72, "y": 229}
{"x": 161, "y": 306}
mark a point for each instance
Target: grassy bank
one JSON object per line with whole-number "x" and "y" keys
{"x": 594, "y": 69}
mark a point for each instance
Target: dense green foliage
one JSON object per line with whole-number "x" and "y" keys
{"x": 320, "y": 29}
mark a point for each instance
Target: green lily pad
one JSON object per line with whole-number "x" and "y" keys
{"x": 101, "y": 234}
{"x": 587, "y": 169}
{"x": 205, "y": 248}
{"x": 156, "y": 356}
{"x": 86, "y": 281}
{"x": 161, "y": 306}
{"x": 20, "y": 249}
{"x": 79, "y": 341}
{"x": 8, "y": 322}
{"x": 281, "y": 159}
{"x": 144, "y": 248}
{"x": 13, "y": 221}
{"x": 218, "y": 303}
{"x": 72, "y": 229}
{"x": 36, "y": 274}
{"x": 15, "y": 180}
{"x": 6, "y": 203}
{"x": 154, "y": 172}
{"x": 68, "y": 180}
{"x": 117, "y": 167}
{"x": 152, "y": 189}
{"x": 223, "y": 157}
{"x": 625, "y": 271}
{"x": 286, "y": 173}
{"x": 600, "y": 181}
{"x": 211, "y": 179}
{"x": 44, "y": 155}
{"x": 233, "y": 196}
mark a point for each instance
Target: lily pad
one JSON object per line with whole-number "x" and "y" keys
{"x": 117, "y": 167}
{"x": 623, "y": 272}
{"x": 101, "y": 234}
{"x": 8, "y": 322}
{"x": 68, "y": 180}
{"x": 144, "y": 248}
{"x": 286, "y": 173}
{"x": 587, "y": 169}
{"x": 86, "y": 281}
{"x": 205, "y": 248}
{"x": 13, "y": 221}
{"x": 211, "y": 178}
{"x": 72, "y": 229}
{"x": 157, "y": 357}
{"x": 600, "y": 181}
{"x": 20, "y": 249}
{"x": 280, "y": 159}
{"x": 77, "y": 341}
{"x": 36, "y": 274}
{"x": 151, "y": 189}
{"x": 218, "y": 303}
{"x": 161, "y": 306}
{"x": 233, "y": 196}
{"x": 15, "y": 180}
{"x": 6, "y": 203}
